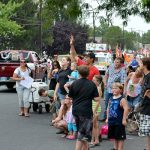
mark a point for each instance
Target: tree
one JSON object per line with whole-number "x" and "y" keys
{"x": 61, "y": 34}
{"x": 146, "y": 37}
{"x": 113, "y": 36}
{"x": 8, "y": 28}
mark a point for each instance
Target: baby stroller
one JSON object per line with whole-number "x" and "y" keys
{"x": 37, "y": 102}
{"x": 133, "y": 120}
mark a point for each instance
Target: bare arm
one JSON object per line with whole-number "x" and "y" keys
{"x": 126, "y": 82}
{"x": 106, "y": 78}
{"x": 55, "y": 92}
{"x": 107, "y": 113}
{"x": 60, "y": 115}
{"x": 126, "y": 111}
{"x": 16, "y": 78}
{"x": 73, "y": 54}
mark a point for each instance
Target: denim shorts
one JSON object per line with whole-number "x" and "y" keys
{"x": 72, "y": 127}
{"x": 61, "y": 96}
{"x": 133, "y": 101}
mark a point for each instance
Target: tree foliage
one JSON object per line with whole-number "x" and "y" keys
{"x": 8, "y": 27}
{"x": 61, "y": 34}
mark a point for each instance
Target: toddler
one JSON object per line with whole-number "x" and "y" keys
{"x": 74, "y": 76}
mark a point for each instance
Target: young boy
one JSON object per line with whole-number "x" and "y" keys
{"x": 74, "y": 76}
{"x": 116, "y": 116}
{"x": 50, "y": 94}
{"x": 83, "y": 91}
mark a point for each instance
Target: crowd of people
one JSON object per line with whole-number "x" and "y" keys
{"x": 77, "y": 89}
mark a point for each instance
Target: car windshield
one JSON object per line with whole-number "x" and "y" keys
{"x": 14, "y": 56}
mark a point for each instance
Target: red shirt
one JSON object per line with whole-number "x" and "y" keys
{"x": 93, "y": 70}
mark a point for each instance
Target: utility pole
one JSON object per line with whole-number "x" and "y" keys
{"x": 93, "y": 26}
{"x": 41, "y": 26}
{"x": 123, "y": 40}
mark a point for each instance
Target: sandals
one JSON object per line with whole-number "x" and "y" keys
{"x": 92, "y": 145}
{"x": 21, "y": 114}
{"x": 26, "y": 115}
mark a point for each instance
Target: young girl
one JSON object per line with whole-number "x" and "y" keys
{"x": 65, "y": 119}
{"x": 97, "y": 79}
{"x": 116, "y": 116}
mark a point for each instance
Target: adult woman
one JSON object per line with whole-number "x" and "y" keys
{"x": 62, "y": 79}
{"x": 53, "y": 75}
{"x": 21, "y": 73}
{"x": 133, "y": 87}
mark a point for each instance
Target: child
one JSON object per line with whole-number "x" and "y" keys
{"x": 97, "y": 79}
{"x": 116, "y": 116}
{"x": 74, "y": 76}
{"x": 65, "y": 119}
{"x": 50, "y": 94}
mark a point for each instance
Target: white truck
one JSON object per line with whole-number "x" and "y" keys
{"x": 103, "y": 57}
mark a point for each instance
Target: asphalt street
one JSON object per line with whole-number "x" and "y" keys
{"x": 34, "y": 133}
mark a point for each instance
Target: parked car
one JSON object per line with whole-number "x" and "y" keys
{"x": 10, "y": 60}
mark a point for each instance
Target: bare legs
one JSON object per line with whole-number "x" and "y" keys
{"x": 81, "y": 145}
{"x": 118, "y": 144}
{"x": 148, "y": 144}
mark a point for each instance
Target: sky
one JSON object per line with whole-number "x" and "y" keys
{"x": 135, "y": 23}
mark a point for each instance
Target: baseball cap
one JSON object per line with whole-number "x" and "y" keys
{"x": 91, "y": 55}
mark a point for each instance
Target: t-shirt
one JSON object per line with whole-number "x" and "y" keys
{"x": 74, "y": 75}
{"x": 21, "y": 74}
{"x": 83, "y": 91}
{"x": 62, "y": 79}
{"x": 93, "y": 70}
{"x": 146, "y": 101}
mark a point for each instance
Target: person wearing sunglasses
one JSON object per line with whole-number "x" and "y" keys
{"x": 23, "y": 93}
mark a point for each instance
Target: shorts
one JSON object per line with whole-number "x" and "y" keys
{"x": 61, "y": 96}
{"x": 72, "y": 127}
{"x": 116, "y": 132}
{"x": 84, "y": 128}
{"x": 133, "y": 101}
{"x": 144, "y": 129}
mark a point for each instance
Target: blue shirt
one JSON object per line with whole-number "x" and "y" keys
{"x": 74, "y": 75}
{"x": 115, "y": 115}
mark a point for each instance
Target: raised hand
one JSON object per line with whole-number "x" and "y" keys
{"x": 71, "y": 39}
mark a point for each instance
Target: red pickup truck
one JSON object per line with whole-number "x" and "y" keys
{"x": 10, "y": 60}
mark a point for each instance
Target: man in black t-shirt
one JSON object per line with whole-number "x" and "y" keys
{"x": 83, "y": 91}
{"x": 144, "y": 129}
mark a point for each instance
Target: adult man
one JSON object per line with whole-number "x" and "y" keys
{"x": 83, "y": 91}
{"x": 115, "y": 73}
{"x": 144, "y": 129}
{"x": 88, "y": 60}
